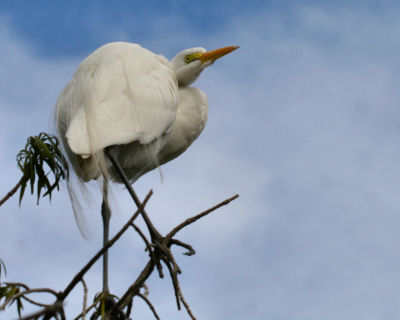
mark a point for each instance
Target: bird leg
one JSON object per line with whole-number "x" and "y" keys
{"x": 161, "y": 245}
{"x": 155, "y": 235}
{"x": 106, "y": 214}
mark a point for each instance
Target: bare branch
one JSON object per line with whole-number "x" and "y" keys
{"x": 179, "y": 243}
{"x": 88, "y": 309}
{"x": 158, "y": 251}
{"x": 148, "y": 245}
{"x": 151, "y": 251}
{"x": 12, "y": 191}
{"x": 149, "y": 304}
{"x": 39, "y": 304}
{"x": 185, "y": 303}
{"x": 19, "y": 284}
{"x": 168, "y": 258}
{"x": 29, "y": 291}
{"x": 50, "y": 309}
{"x": 81, "y": 273}
{"x": 135, "y": 287}
{"x": 129, "y": 309}
{"x": 174, "y": 278}
{"x": 23, "y": 294}
{"x": 85, "y": 293}
{"x": 78, "y": 277}
{"x": 200, "y": 215}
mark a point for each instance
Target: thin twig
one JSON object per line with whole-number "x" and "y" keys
{"x": 62, "y": 312}
{"x": 150, "y": 305}
{"x": 39, "y": 313}
{"x": 135, "y": 287}
{"x": 35, "y": 302}
{"x": 198, "y": 216}
{"x": 148, "y": 269}
{"x": 189, "y": 311}
{"x": 148, "y": 245}
{"x": 174, "y": 278}
{"x": 39, "y": 290}
{"x": 24, "y": 293}
{"x": 81, "y": 273}
{"x": 129, "y": 309}
{"x": 87, "y": 309}
{"x": 188, "y": 247}
{"x": 149, "y": 248}
{"x": 23, "y": 285}
{"x": 12, "y": 191}
{"x": 85, "y": 294}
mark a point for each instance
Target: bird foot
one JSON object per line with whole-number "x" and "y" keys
{"x": 160, "y": 249}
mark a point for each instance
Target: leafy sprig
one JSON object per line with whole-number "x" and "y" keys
{"x": 40, "y": 157}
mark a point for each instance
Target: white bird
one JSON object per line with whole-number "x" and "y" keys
{"x": 137, "y": 104}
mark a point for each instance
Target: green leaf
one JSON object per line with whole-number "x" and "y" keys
{"x": 20, "y": 306}
{"x": 32, "y": 178}
{"x": 12, "y": 291}
{"x": 31, "y": 172}
{"x": 2, "y": 267}
{"x": 22, "y": 191}
{"x": 3, "y": 291}
{"x": 42, "y": 152}
{"x": 39, "y": 189}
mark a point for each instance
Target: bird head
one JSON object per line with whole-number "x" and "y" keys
{"x": 189, "y": 63}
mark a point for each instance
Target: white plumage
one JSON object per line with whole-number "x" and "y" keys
{"x": 135, "y": 102}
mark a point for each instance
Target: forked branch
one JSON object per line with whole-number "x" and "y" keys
{"x": 156, "y": 255}
{"x": 160, "y": 253}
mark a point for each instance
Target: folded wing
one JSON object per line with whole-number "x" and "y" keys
{"x": 119, "y": 94}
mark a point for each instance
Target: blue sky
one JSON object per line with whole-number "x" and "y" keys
{"x": 303, "y": 124}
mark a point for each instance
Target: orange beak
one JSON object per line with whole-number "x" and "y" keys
{"x": 216, "y": 54}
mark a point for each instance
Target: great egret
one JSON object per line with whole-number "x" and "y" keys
{"x": 136, "y": 105}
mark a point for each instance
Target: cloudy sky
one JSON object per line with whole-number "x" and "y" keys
{"x": 303, "y": 124}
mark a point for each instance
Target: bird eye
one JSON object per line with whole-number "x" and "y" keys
{"x": 187, "y": 59}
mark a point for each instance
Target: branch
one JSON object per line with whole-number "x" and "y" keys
{"x": 189, "y": 311}
{"x": 81, "y": 273}
{"x": 148, "y": 269}
{"x": 150, "y": 305}
{"x": 174, "y": 277}
{"x": 151, "y": 251}
{"x": 159, "y": 251}
{"x": 135, "y": 287}
{"x": 39, "y": 290}
{"x": 12, "y": 191}
{"x": 52, "y": 308}
{"x": 81, "y": 315}
{"x": 23, "y": 294}
{"x": 198, "y": 216}
{"x": 19, "y": 284}
{"x": 85, "y": 293}
{"x": 35, "y": 302}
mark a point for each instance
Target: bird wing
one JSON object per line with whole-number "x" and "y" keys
{"x": 119, "y": 94}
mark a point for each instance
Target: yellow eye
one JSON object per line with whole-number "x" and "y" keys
{"x": 188, "y": 59}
